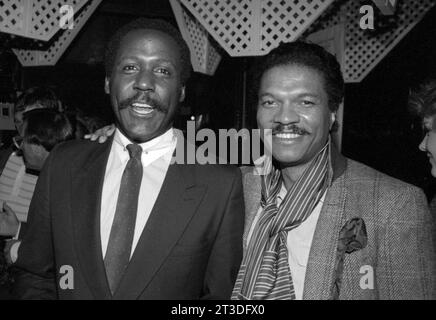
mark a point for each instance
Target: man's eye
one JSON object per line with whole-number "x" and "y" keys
{"x": 164, "y": 71}
{"x": 129, "y": 68}
{"x": 267, "y": 103}
{"x": 307, "y": 103}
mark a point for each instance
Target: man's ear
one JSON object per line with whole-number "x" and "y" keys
{"x": 182, "y": 94}
{"x": 332, "y": 119}
{"x": 106, "y": 85}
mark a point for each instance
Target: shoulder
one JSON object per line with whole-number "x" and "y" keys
{"x": 398, "y": 199}
{"x": 433, "y": 206}
{"x": 359, "y": 173}
{"x": 73, "y": 146}
{"x": 246, "y": 170}
{"x": 77, "y": 151}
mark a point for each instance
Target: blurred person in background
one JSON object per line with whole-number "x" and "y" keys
{"x": 422, "y": 102}
{"x": 42, "y": 129}
{"x": 16, "y": 183}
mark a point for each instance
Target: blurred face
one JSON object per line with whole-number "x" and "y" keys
{"x": 145, "y": 86}
{"x": 34, "y": 155}
{"x": 18, "y": 116}
{"x": 293, "y": 103}
{"x": 428, "y": 144}
{"x": 18, "y": 121}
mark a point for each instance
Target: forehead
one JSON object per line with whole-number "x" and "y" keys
{"x": 288, "y": 78}
{"x": 149, "y": 42}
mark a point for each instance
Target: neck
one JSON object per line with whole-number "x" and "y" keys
{"x": 291, "y": 174}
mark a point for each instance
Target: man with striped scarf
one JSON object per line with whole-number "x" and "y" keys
{"x": 319, "y": 225}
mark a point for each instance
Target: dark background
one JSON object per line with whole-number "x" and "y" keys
{"x": 378, "y": 130}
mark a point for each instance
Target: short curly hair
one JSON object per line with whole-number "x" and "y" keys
{"x": 422, "y": 100}
{"x": 310, "y": 55}
{"x": 47, "y": 128}
{"x": 153, "y": 24}
{"x": 42, "y": 96}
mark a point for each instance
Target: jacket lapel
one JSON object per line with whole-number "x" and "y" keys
{"x": 252, "y": 197}
{"x": 174, "y": 208}
{"x": 322, "y": 257}
{"x": 87, "y": 183}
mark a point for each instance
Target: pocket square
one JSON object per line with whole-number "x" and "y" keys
{"x": 352, "y": 237}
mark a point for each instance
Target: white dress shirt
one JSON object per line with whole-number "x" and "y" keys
{"x": 17, "y": 186}
{"x": 299, "y": 242}
{"x": 156, "y": 158}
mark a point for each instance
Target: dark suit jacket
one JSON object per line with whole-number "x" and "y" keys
{"x": 191, "y": 246}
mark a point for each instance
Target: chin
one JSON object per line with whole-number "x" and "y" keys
{"x": 288, "y": 159}
{"x": 139, "y": 134}
{"x": 287, "y": 156}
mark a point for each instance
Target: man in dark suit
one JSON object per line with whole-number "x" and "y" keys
{"x": 118, "y": 220}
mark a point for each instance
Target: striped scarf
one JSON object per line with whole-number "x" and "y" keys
{"x": 264, "y": 272}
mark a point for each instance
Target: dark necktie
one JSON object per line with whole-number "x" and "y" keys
{"x": 123, "y": 227}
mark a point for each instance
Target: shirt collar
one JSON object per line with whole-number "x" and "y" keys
{"x": 163, "y": 141}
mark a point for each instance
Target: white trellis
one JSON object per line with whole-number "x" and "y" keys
{"x": 40, "y": 20}
{"x": 36, "y": 19}
{"x": 205, "y": 57}
{"x": 364, "y": 49}
{"x": 255, "y": 27}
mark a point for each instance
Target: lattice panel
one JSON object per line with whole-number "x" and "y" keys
{"x": 204, "y": 54}
{"x": 36, "y": 19}
{"x": 255, "y": 27}
{"x": 364, "y": 49}
{"x": 287, "y": 20}
{"x": 57, "y": 48}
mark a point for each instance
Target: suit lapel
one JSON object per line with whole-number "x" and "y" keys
{"x": 322, "y": 257}
{"x": 87, "y": 183}
{"x": 177, "y": 202}
{"x": 252, "y": 197}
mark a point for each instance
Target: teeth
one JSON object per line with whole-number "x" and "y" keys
{"x": 142, "y": 108}
{"x": 287, "y": 135}
{"x": 143, "y": 111}
{"x": 141, "y": 105}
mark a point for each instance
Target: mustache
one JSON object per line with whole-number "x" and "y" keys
{"x": 292, "y": 128}
{"x": 141, "y": 98}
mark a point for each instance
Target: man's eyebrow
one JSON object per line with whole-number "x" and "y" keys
{"x": 300, "y": 95}
{"x": 265, "y": 94}
{"x": 308, "y": 94}
{"x": 159, "y": 60}
{"x": 166, "y": 61}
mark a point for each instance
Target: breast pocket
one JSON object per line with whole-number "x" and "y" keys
{"x": 181, "y": 250}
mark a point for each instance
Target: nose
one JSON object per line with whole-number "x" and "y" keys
{"x": 423, "y": 144}
{"x": 287, "y": 114}
{"x": 144, "y": 81}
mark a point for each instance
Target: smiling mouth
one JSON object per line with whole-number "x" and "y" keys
{"x": 287, "y": 135}
{"x": 142, "y": 108}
